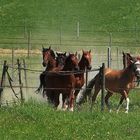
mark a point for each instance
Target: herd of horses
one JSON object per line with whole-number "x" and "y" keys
{"x": 64, "y": 74}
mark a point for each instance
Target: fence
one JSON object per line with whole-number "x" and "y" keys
{"x": 23, "y": 83}
{"x": 20, "y": 97}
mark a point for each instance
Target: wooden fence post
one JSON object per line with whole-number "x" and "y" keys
{"x": 29, "y": 43}
{"x": 117, "y": 57}
{"x": 109, "y": 57}
{"x": 60, "y": 33}
{"x": 78, "y": 30}
{"x": 86, "y": 83}
{"x": 25, "y": 28}
{"x": 2, "y": 82}
{"x": 12, "y": 62}
{"x": 25, "y": 76}
{"x": 102, "y": 86}
{"x": 125, "y": 59}
{"x": 20, "y": 82}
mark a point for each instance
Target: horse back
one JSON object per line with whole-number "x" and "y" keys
{"x": 57, "y": 80}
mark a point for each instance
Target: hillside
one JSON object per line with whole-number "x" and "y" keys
{"x": 58, "y": 20}
{"x": 104, "y": 14}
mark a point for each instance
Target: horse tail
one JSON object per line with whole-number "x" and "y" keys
{"x": 42, "y": 82}
{"x": 87, "y": 91}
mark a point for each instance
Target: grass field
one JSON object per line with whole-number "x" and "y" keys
{"x": 101, "y": 23}
{"x": 38, "y": 121}
{"x": 48, "y": 19}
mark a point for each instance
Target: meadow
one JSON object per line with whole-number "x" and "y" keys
{"x": 102, "y": 24}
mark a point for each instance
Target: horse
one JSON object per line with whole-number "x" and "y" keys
{"x": 84, "y": 63}
{"x": 57, "y": 82}
{"x": 127, "y": 58}
{"x": 51, "y": 62}
{"x": 116, "y": 81}
{"x": 60, "y": 59}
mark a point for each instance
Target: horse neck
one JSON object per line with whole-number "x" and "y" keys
{"x": 67, "y": 67}
{"x": 51, "y": 64}
{"x": 129, "y": 74}
{"x": 81, "y": 64}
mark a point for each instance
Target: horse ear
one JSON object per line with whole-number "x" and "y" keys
{"x": 65, "y": 53}
{"x": 57, "y": 53}
{"x": 76, "y": 53}
{"x": 49, "y": 47}
{"x": 42, "y": 47}
{"x": 89, "y": 51}
{"x": 130, "y": 57}
{"x": 132, "y": 61}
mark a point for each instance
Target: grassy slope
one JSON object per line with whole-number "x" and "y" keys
{"x": 105, "y": 14}
{"x": 37, "y": 121}
{"x": 45, "y": 18}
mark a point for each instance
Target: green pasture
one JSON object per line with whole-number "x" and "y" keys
{"x": 55, "y": 22}
{"x": 36, "y": 120}
{"x": 102, "y": 24}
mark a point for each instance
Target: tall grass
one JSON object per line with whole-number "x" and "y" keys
{"x": 36, "y": 120}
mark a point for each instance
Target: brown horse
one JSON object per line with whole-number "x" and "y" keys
{"x": 51, "y": 63}
{"x": 84, "y": 63}
{"x": 127, "y": 58}
{"x": 118, "y": 81}
{"x": 62, "y": 82}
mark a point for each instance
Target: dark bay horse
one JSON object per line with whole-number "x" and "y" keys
{"x": 62, "y": 82}
{"x": 51, "y": 62}
{"x": 116, "y": 81}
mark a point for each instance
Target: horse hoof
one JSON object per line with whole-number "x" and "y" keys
{"x": 126, "y": 112}
{"x": 64, "y": 109}
{"x": 71, "y": 109}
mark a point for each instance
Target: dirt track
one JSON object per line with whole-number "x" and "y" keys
{"x": 18, "y": 51}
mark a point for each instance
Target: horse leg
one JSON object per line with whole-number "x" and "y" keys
{"x": 127, "y": 102}
{"x": 76, "y": 93}
{"x": 71, "y": 101}
{"x": 42, "y": 80}
{"x": 96, "y": 91}
{"x": 56, "y": 99}
{"x": 64, "y": 102}
{"x": 125, "y": 96}
{"x": 108, "y": 95}
{"x": 120, "y": 103}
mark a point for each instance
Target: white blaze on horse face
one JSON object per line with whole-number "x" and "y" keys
{"x": 137, "y": 63}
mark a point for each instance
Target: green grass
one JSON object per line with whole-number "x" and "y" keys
{"x": 45, "y": 18}
{"x": 36, "y": 120}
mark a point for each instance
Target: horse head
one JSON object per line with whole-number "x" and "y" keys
{"x": 86, "y": 59}
{"x": 127, "y": 58}
{"x": 47, "y": 53}
{"x": 71, "y": 62}
{"x": 135, "y": 65}
{"x": 60, "y": 59}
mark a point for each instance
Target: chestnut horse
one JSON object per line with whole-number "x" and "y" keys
{"x": 57, "y": 82}
{"x": 127, "y": 58}
{"x": 118, "y": 81}
{"x": 84, "y": 63}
